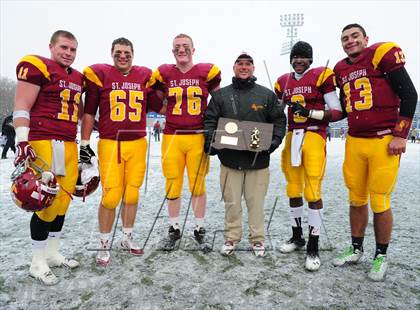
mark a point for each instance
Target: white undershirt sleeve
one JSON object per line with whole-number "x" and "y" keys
{"x": 332, "y": 101}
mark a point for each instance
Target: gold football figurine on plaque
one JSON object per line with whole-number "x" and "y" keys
{"x": 255, "y": 138}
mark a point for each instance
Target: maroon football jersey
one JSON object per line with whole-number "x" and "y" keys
{"x": 308, "y": 91}
{"x": 122, "y": 100}
{"x": 366, "y": 94}
{"x": 55, "y": 112}
{"x": 186, "y": 95}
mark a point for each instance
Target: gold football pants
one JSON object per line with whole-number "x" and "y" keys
{"x": 43, "y": 149}
{"x": 369, "y": 171}
{"x": 178, "y": 152}
{"x": 121, "y": 180}
{"x": 306, "y": 178}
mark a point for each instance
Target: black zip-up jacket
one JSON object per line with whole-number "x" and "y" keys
{"x": 244, "y": 100}
{"x": 7, "y": 128}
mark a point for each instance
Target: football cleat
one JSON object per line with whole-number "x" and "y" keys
{"x": 379, "y": 268}
{"x": 45, "y": 277}
{"x": 33, "y": 189}
{"x": 292, "y": 245}
{"x": 312, "y": 261}
{"x": 228, "y": 248}
{"x": 103, "y": 257}
{"x": 199, "y": 234}
{"x": 61, "y": 261}
{"x": 349, "y": 256}
{"x": 130, "y": 245}
{"x": 174, "y": 233}
{"x": 40, "y": 271}
{"x": 55, "y": 259}
{"x": 88, "y": 179}
{"x": 258, "y": 249}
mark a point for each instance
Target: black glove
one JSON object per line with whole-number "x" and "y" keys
{"x": 274, "y": 145}
{"x": 209, "y": 149}
{"x": 213, "y": 151}
{"x": 299, "y": 109}
{"x": 85, "y": 154}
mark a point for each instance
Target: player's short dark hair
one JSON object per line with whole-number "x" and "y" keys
{"x": 183, "y": 35}
{"x": 62, "y": 33}
{"x": 355, "y": 26}
{"x": 122, "y": 41}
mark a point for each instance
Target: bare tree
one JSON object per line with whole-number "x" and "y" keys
{"x": 7, "y": 97}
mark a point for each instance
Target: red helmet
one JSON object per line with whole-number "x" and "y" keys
{"x": 33, "y": 189}
{"x": 88, "y": 179}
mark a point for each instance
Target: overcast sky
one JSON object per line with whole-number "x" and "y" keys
{"x": 220, "y": 29}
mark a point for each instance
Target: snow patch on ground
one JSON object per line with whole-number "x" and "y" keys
{"x": 189, "y": 279}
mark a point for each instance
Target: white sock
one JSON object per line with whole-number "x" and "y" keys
{"x": 104, "y": 236}
{"x": 314, "y": 220}
{"x": 54, "y": 234}
{"x": 174, "y": 220}
{"x": 127, "y": 230}
{"x": 296, "y": 216}
{"x": 199, "y": 221}
{"x": 39, "y": 244}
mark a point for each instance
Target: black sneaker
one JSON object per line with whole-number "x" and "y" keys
{"x": 199, "y": 234}
{"x": 174, "y": 233}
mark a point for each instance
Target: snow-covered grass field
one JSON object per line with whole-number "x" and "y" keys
{"x": 188, "y": 279}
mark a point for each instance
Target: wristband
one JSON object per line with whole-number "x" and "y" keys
{"x": 21, "y": 114}
{"x": 316, "y": 114}
{"x": 22, "y": 133}
{"x": 84, "y": 142}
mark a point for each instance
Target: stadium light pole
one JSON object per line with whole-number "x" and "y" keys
{"x": 291, "y": 22}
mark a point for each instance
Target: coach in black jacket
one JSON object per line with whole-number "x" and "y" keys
{"x": 244, "y": 100}
{"x": 8, "y": 131}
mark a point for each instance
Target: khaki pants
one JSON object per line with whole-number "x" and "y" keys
{"x": 253, "y": 184}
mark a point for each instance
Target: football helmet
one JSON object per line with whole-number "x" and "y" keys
{"x": 33, "y": 188}
{"x": 88, "y": 179}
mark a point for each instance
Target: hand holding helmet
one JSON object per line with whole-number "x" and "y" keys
{"x": 24, "y": 151}
{"x": 88, "y": 179}
{"x": 86, "y": 154}
{"x": 33, "y": 189}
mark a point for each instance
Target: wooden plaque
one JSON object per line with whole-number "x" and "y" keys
{"x": 242, "y": 135}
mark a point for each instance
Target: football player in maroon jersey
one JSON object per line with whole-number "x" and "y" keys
{"x": 379, "y": 99}
{"x": 186, "y": 87}
{"x": 45, "y": 117}
{"x": 120, "y": 92}
{"x": 313, "y": 104}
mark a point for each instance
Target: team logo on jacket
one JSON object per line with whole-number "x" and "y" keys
{"x": 256, "y": 107}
